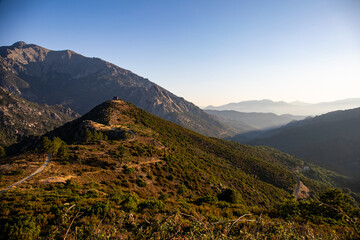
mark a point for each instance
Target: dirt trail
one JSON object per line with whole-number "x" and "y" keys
{"x": 40, "y": 169}
{"x": 134, "y": 135}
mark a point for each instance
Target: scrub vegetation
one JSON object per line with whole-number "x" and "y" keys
{"x": 168, "y": 183}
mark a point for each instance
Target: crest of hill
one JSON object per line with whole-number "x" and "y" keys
{"x": 271, "y": 167}
{"x": 70, "y": 79}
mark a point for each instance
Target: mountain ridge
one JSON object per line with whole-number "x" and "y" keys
{"x": 70, "y": 79}
{"x": 331, "y": 140}
{"x": 248, "y": 122}
{"x": 294, "y": 108}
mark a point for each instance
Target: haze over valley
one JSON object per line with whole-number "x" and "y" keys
{"x": 293, "y": 108}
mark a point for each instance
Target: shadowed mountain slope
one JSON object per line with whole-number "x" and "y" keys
{"x": 72, "y": 80}
{"x": 246, "y": 122}
{"x": 331, "y": 140}
{"x": 19, "y": 117}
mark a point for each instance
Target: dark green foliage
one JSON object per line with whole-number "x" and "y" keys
{"x": 123, "y": 151}
{"x": 144, "y": 150}
{"x": 152, "y": 204}
{"x": 230, "y": 195}
{"x": 128, "y": 170}
{"x": 53, "y": 146}
{"x": 2, "y": 152}
{"x": 288, "y": 208}
{"x": 206, "y": 199}
{"x": 333, "y": 207}
{"x": 63, "y": 152}
{"x": 336, "y": 198}
{"x": 21, "y": 227}
{"x": 99, "y": 209}
{"x": 45, "y": 144}
{"x": 93, "y": 136}
{"x": 130, "y": 202}
{"x": 141, "y": 183}
{"x": 88, "y": 136}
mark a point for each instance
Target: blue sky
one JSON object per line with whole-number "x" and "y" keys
{"x": 209, "y": 52}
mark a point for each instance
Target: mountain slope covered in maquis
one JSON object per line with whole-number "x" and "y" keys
{"x": 119, "y": 172}
{"x": 72, "y": 80}
{"x": 331, "y": 140}
{"x": 20, "y": 118}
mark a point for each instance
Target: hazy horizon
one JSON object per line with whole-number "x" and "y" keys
{"x": 208, "y": 52}
{"x": 291, "y": 102}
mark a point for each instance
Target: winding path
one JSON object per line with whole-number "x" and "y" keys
{"x": 40, "y": 169}
{"x": 134, "y": 135}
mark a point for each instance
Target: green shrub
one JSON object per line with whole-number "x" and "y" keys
{"x": 206, "y": 199}
{"x": 94, "y": 136}
{"x": 288, "y": 208}
{"x": 230, "y": 195}
{"x": 123, "y": 151}
{"x": 152, "y": 204}
{"x": 99, "y": 209}
{"x": 130, "y": 203}
{"x": 128, "y": 170}
{"x": 141, "y": 183}
{"x": 181, "y": 189}
{"x": 53, "y": 145}
{"x": 21, "y": 227}
{"x": 45, "y": 144}
{"x": 63, "y": 152}
{"x": 2, "y": 152}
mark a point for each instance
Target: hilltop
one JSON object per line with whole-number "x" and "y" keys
{"x": 72, "y": 80}
{"x": 122, "y": 172}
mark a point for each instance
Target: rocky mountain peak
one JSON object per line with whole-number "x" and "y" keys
{"x": 19, "y": 44}
{"x": 79, "y": 82}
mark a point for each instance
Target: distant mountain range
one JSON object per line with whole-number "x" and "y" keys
{"x": 19, "y": 117}
{"x": 247, "y": 122}
{"x": 72, "y": 80}
{"x": 294, "y": 108}
{"x": 331, "y": 140}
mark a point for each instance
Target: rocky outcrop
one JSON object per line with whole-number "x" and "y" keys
{"x": 19, "y": 117}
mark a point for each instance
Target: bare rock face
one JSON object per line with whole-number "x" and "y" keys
{"x": 80, "y": 83}
{"x": 19, "y": 117}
